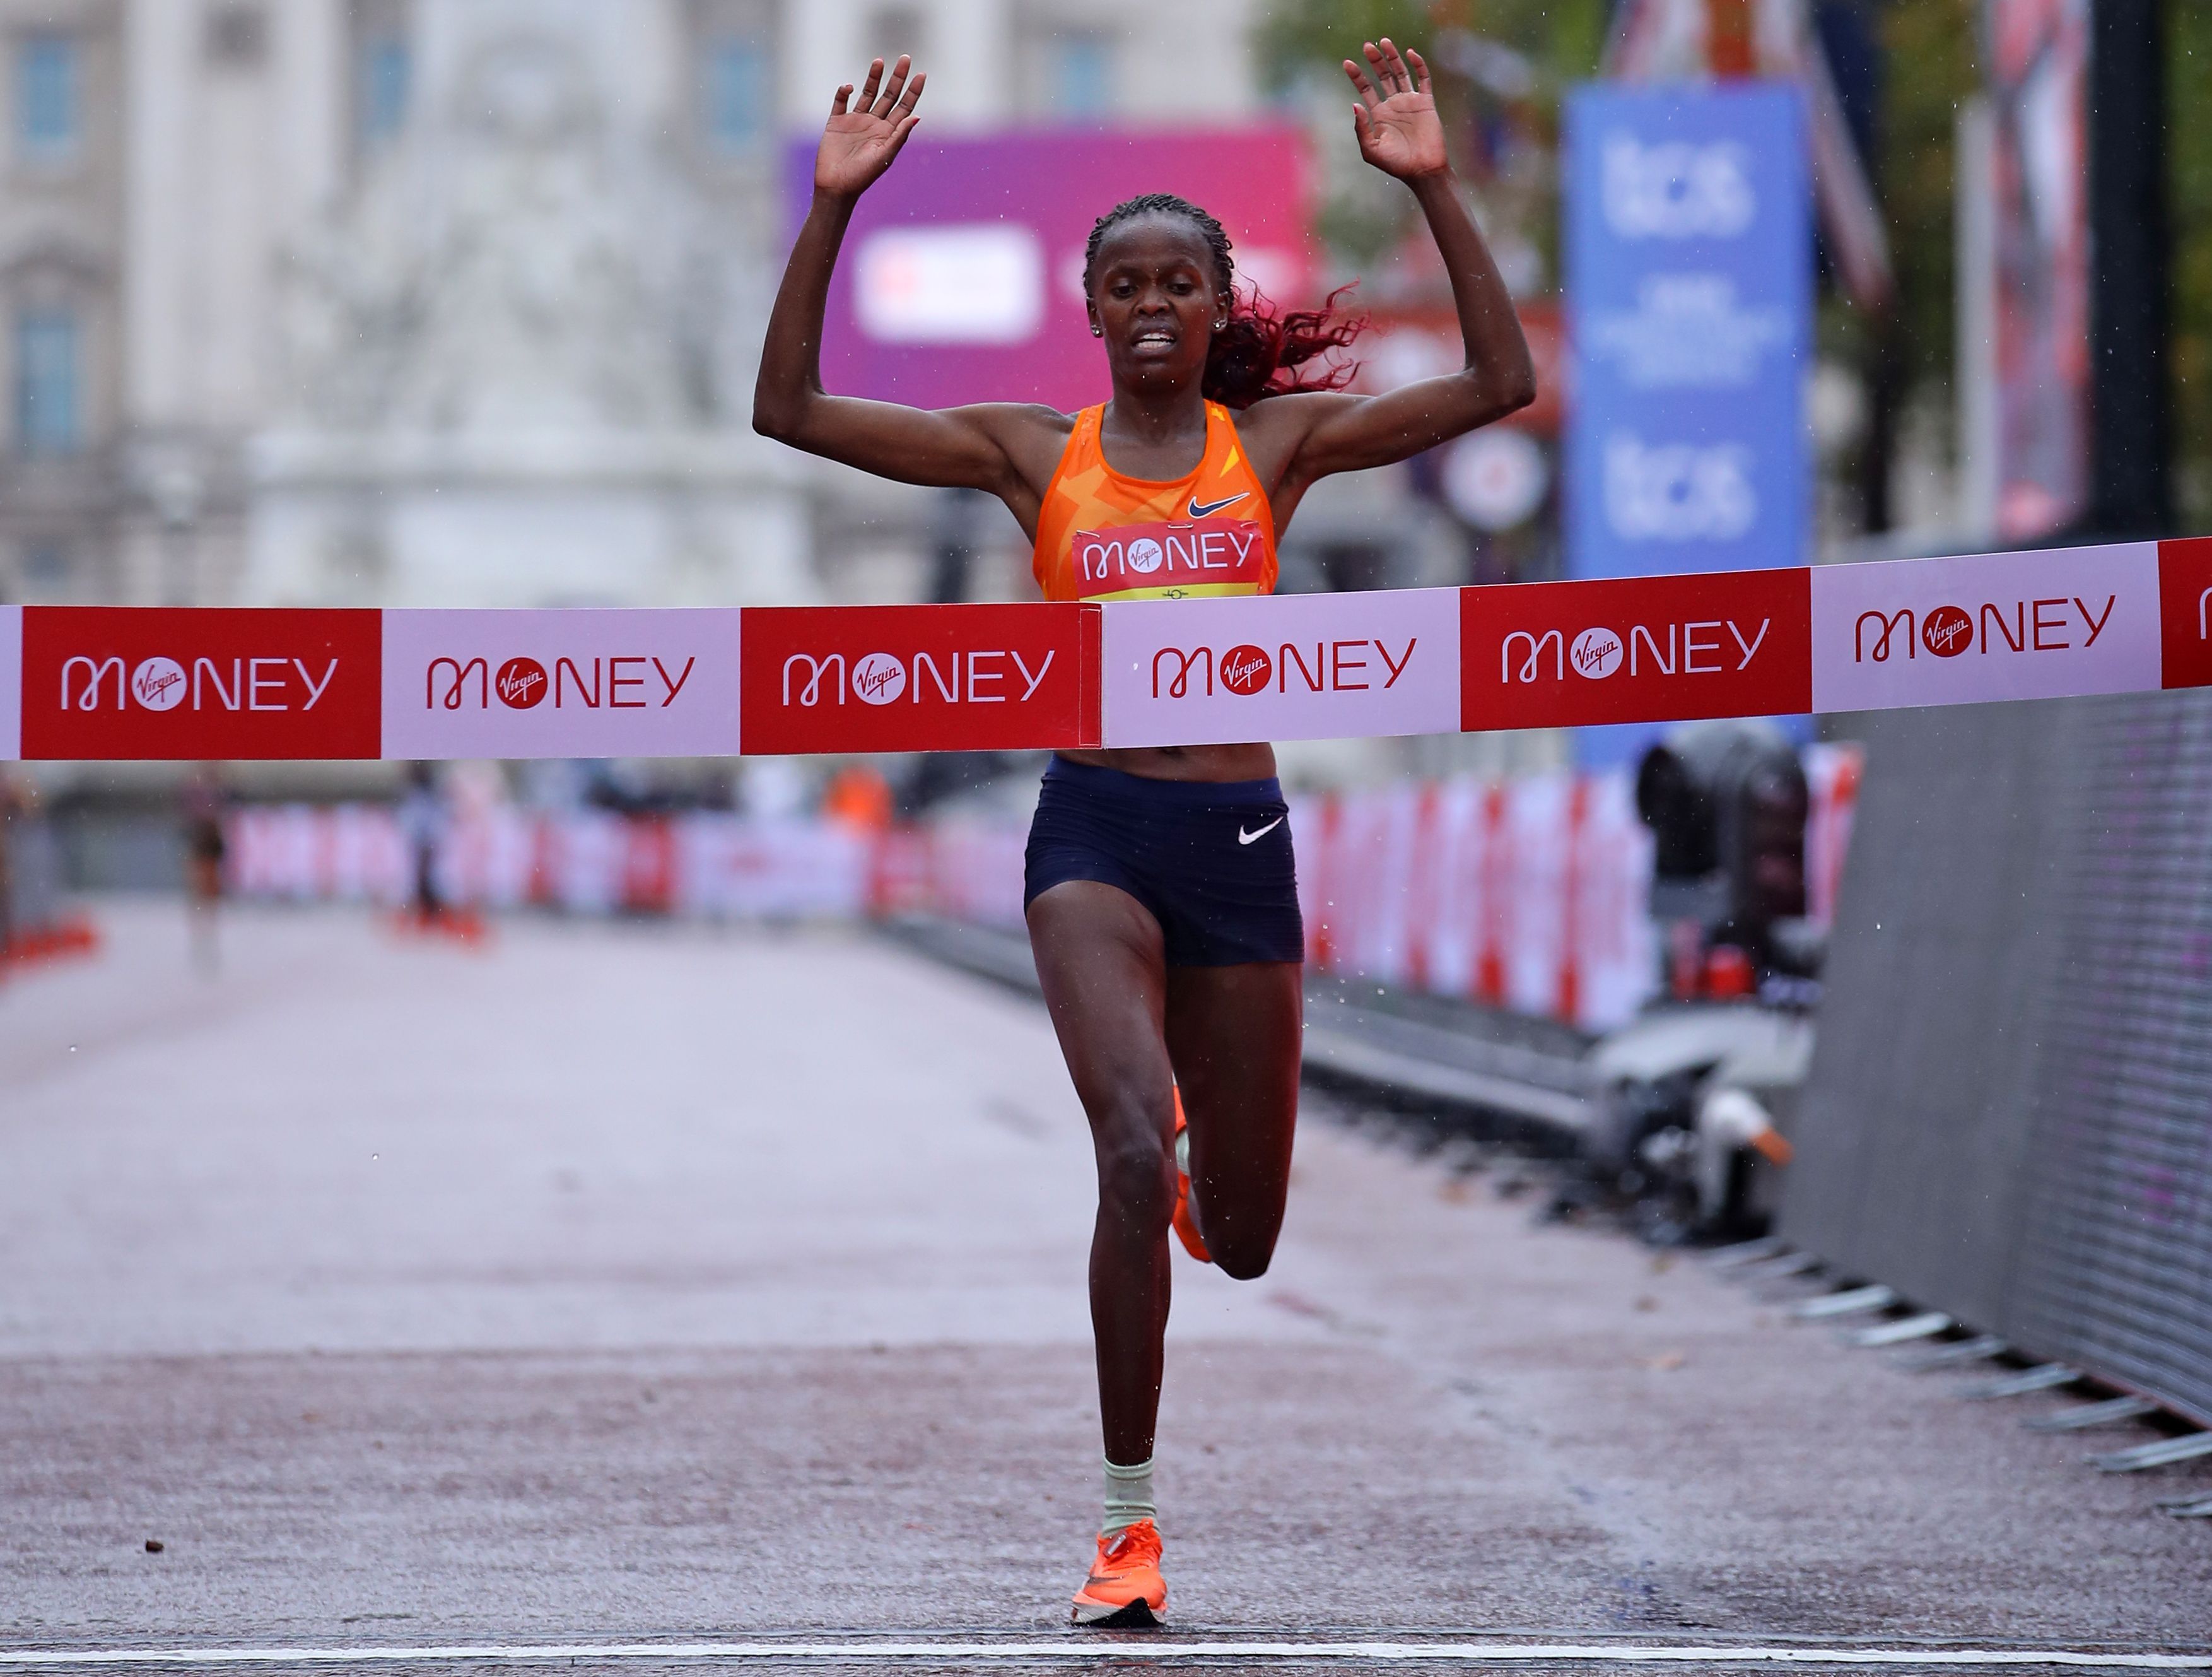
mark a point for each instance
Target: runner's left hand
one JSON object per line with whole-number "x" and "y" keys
{"x": 1398, "y": 128}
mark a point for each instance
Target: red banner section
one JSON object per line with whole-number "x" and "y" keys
{"x": 120, "y": 682}
{"x": 2184, "y": 593}
{"x": 1641, "y": 649}
{"x": 918, "y": 678}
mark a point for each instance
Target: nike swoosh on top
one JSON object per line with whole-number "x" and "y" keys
{"x": 1245, "y": 838}
{"x": 1213, "y": 507}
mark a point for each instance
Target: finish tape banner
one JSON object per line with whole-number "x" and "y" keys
{"x": 89, "y": 682}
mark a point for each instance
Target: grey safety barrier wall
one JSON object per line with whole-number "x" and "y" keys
{"x": 2009, "y": 1112}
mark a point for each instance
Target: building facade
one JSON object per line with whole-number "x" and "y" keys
{"x": 395, "y": 299}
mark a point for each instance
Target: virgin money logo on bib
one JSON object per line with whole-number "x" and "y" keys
{"x": 1198, "y": 557}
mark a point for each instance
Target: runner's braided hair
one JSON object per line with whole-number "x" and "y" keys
{"x": 1262, "y": 349}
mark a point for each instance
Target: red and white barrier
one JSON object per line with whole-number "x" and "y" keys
{"x": 1528, "y": 893}
{"x": 113, "y": 682}
{"x": 586, "y": 862}
{"x": 1831, "y": 775}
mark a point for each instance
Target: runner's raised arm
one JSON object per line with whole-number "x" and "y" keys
{"x": 961, "y": 448}
{"x": 1314, "y": 435}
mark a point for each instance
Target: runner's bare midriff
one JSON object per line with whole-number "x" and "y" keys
{"x": 1251, "y": 762}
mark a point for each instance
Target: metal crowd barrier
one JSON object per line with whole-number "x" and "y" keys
{"x": 2009, "y": 1115}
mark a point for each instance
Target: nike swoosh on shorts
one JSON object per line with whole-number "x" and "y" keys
{"x": 1245, "y": 838}
{"x": 1213, "y": 507}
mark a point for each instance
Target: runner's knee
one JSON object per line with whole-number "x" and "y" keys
{"x": 1137, "y": 1179}
{"x": 1240, "y": 1254}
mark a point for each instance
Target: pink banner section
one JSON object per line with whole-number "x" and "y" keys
{"x": 579, "y": 683}
{"x": 11, "y": 683}
{"x": 113, "y": 683}
{"x": 2050, "y": 624}
{"x": 1290, "y": 667}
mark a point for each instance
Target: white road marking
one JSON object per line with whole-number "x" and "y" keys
{"x": 1075, "y": 1652}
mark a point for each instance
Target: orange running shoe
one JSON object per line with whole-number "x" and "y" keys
{"x": 1186, "y": 1225}
{"x": 1125, "y": 1588}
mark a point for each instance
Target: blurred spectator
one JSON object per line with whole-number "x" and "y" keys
{"x": 14, "y": 808}
{"x": 774, "y": 788}
{"x": 424, "y": 819}
{"x": 860, "y": 798}
{"x": 202, "y": 806}
{"x": 477, "y": 790}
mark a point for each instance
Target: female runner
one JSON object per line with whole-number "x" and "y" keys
{"x": 1162, "y": 904}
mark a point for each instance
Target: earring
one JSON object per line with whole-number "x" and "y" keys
{"x": 1097, "y": 332}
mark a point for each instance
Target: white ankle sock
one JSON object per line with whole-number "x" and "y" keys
{"x": 1128, "y": 1498}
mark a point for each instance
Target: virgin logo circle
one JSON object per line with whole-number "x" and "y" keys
{"x": 1144, "y": 555}
{"x": 1597, "y": 653}
{"x": 1245, "y": 669}
{"x": 1947, "y": 631}
{"x": 158, "y": 684}
{"x": 878, "y": 679}
{"x": 521, "y": 683}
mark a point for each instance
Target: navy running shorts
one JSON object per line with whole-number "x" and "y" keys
{"x": 1210, "y": 860}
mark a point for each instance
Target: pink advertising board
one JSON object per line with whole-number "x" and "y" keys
{"x": 2036, "y": 58}
{"x": 2058, "y": 623}
{"x": 1284, "y": 666}
{"x": 962, "y": 277}
{"x": 11, "y": 683}
{"x": 521, "y": 683}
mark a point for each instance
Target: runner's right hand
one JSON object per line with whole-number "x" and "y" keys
{"x": 859, "y": 143}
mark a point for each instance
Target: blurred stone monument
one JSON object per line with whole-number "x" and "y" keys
{"x": 520, "y": 351}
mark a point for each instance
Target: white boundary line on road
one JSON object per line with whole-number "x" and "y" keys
{"x": 1072, "y": 1652}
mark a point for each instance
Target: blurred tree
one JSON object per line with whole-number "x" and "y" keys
{"x": 1564, "y": 36}
{"x": 1932, "y": 64}
{"x": 1492, "y": 59}
{"x": 1932, "y": 68}
{"x": 2189, "y": 116}
{"x": 1923, "y": 65}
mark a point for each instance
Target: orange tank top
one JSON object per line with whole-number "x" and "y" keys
{"x": 1103, "y": 536}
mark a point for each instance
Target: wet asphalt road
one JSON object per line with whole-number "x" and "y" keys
{"x": 614, "y": 1282}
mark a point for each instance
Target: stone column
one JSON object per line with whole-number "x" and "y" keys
{"x": 158, "y": 38}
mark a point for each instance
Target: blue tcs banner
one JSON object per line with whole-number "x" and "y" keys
{"x": 1689, "y": 299}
